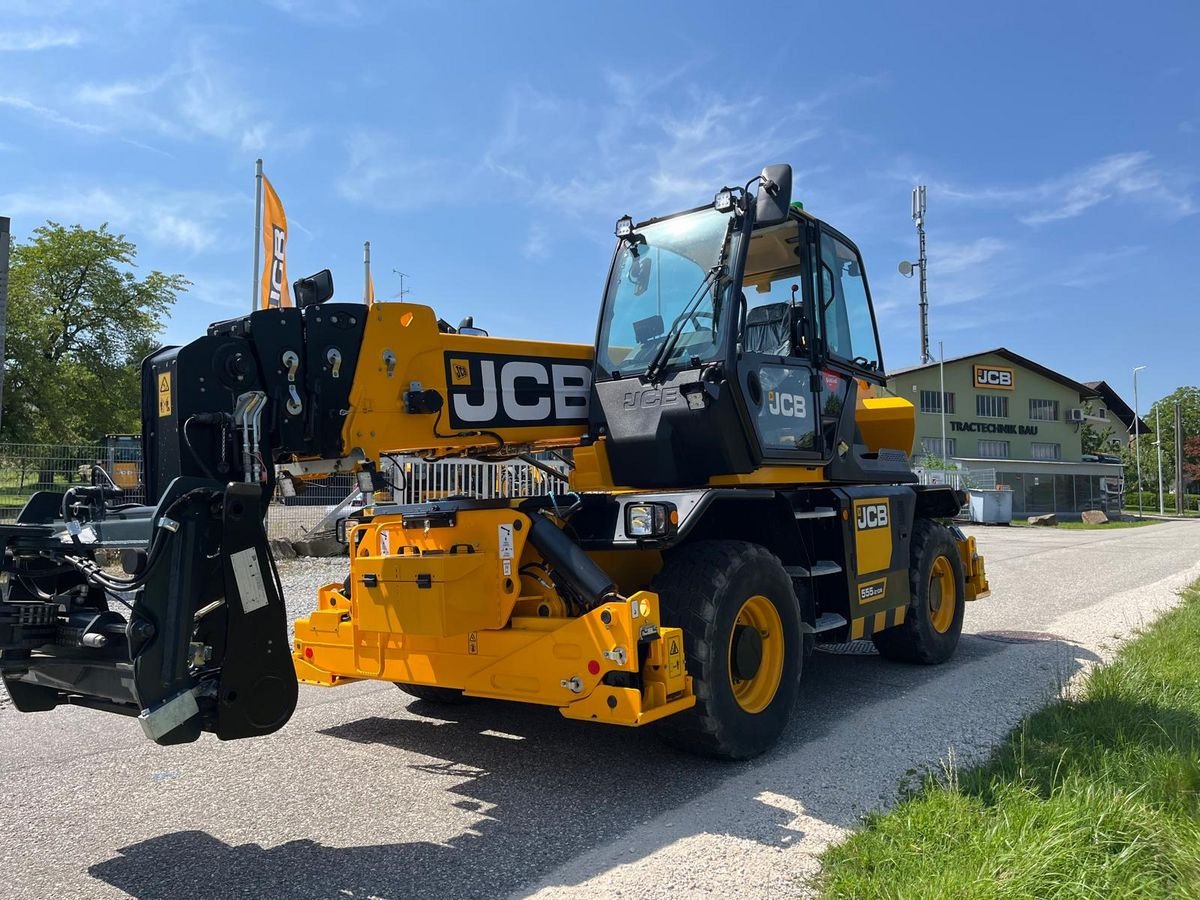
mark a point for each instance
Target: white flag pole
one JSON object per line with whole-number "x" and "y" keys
{"x": 258, "y": 192}
{"x": 366, "y": 271}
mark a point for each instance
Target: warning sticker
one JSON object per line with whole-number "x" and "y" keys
{"x": 385, "y": 542}
{"x": 248, "y": 574}
{"x": 506, "y": 542}
{"x": 164, "y": 394}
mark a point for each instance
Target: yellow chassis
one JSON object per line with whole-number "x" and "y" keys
{"x": 427, "y": 610}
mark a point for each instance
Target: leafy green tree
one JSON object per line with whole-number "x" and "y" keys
{"x": 79, "y": 323}
{"x": 1189, "y": 399}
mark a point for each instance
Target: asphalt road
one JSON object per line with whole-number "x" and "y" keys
{"x": 367, "y": 793}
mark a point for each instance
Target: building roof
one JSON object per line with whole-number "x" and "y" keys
{"x": 1084, "y": 391}
{"x": 1118, "y": 407}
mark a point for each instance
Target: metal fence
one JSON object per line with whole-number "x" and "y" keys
{"x": 960, "y": 479}
{"x": 26, "y": 469}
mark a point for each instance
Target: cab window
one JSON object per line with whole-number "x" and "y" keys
{"x": 846, "y": 320}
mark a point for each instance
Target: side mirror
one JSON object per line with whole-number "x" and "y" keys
{"x": 314, "y": 289}
{"x": 774, "y": 195}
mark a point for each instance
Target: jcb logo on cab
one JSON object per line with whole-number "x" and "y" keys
{"x": 872, "y": 515}
{"x": 793, "y": 405}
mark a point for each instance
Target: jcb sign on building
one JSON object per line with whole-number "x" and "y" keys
{"x": 995, "y": 377}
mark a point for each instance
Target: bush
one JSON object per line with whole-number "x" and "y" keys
{"x": 1150, "y": 500}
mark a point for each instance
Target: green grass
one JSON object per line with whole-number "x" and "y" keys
{"x": 1084, "y": 526}
{"x": 1096, "y": 797}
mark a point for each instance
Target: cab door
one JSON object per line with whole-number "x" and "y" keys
{"x": 846, "y": 337}
{"x": 775, "y": 372}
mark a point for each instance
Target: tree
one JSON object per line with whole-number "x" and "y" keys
{"x": 79, "y": 323}
{"x": 1189, "y": 399}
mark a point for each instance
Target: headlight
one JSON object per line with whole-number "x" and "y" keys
{"x": 649, "y": 519}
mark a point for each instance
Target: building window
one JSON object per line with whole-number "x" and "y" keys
{"x": 933, "y": 447}
{"x": 1045, "y": 451}
{"x": 930, "y": 404}
{"x": 993, "y": 449}
{"x": 1102, "y": 412}
{"x": 1043, "y": 410}
{"x": 991, "y": 406}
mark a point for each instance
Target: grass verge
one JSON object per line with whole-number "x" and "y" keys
{"x": 1084, "y": 526}
{"x": 1094, "y": 797}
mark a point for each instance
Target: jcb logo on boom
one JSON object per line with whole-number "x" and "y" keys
{"x": 994, "y": 377}
{"x": 793, "y": 405}
{"x": 872, "y": 515}
{"x": 516, "y": 391}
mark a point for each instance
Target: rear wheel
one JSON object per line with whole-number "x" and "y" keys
{"x": 743, "y": 645}
{"x": 430, "y": 694}
{"x": 934, "y": 618}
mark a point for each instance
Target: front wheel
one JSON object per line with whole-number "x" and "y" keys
{"x": 743, "y": 646}
{"x": 933, "y": 620}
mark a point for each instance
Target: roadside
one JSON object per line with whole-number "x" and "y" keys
{"x": 1096, "y": 795}
{"x": 762, "y": 832}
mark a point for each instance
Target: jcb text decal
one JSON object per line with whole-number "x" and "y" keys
{"x": 490, "y": 390}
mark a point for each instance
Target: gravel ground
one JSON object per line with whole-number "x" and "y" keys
{"x": 368, "y": 794}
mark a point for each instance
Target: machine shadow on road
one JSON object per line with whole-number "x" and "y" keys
{"x": 541, "y": 791}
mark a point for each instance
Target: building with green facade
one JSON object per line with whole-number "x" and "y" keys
{"x": 997, "y": 410}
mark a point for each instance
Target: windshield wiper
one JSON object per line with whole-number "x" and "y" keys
{"x": 667, "y": 347}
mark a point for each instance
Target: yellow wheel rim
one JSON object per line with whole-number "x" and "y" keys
{"x": 756, "y": 650}
{"x": 941, "y": 594}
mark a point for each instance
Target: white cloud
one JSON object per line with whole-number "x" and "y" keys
{"x": 187, "y": 220}
{"x": 383, "y": 174}
{"x": 647, "y": 146}
{"x": 951, "y": 258}
{"x": 198, "y": 97}
{"x": 53, "y": 116}
{"x": 42, "y": 39}
{"x": 536, "y": 244}
{"x": 1122, "y": 176}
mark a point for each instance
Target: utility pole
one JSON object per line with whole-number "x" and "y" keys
{"x": 400, "y": 296}
{"x": 5, "y": 230}
{"x": 1180, "y": 483}
{"x": 942, "y": 388}
{"x": 1137, "y": 433}
{"x": 258, "y": 177}
{"x": 1158, "y": 444}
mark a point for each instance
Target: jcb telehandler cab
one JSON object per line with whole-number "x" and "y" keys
{"x": 740, "y": 489}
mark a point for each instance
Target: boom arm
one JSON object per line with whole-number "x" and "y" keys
{"x": 343, "y": 381}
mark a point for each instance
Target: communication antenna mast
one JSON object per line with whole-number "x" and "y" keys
{"x": 918, "y": 214}
{"x": 403, "y": 290}
{"x": 906, "y": 268}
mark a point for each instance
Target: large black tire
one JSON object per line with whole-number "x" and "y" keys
{"x": 930, "y": 632}
{"x": 440, "y": 695}
{"x": 703, "y": 587}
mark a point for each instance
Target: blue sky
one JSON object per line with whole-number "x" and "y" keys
{"x": 487, "y": 149}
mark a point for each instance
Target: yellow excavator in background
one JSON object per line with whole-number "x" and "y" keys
{"x": 739, "y": 489}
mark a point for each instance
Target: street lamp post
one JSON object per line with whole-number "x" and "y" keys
{"x": 1137, "y": 433}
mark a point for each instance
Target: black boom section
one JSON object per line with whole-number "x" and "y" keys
{"x": 302, "y": 363}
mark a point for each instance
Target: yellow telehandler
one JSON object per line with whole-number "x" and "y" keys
{"x": 739, "y": 490}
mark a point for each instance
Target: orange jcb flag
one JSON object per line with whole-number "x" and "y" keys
{"x": 370, "y": 289}
{"x": 274, "y": 237}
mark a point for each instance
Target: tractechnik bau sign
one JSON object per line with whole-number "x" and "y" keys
{"x": 993, "y": 427}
